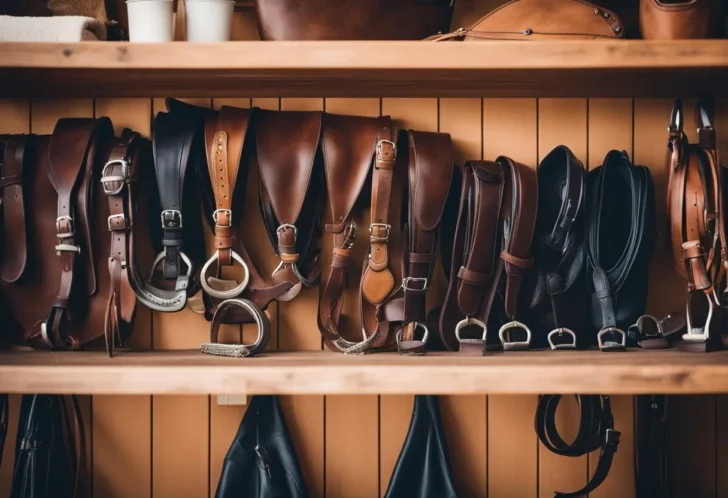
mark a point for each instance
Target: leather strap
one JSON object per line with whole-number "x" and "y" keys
{"x": 596, "y": 431}
{"x": 15, "y": 154}
{"x": 73, "y": 150}
{"x": 242, "y": 350}
{"x": 651, "y": 457}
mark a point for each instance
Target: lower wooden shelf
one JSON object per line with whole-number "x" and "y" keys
{"x": 190, "y": 372}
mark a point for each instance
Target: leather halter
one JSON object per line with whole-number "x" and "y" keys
{"x": 15, "y": 154}
{"x": 177, "y": 153}
{"x": 491, "y": 253}
{"x": 73, "y": 150}
{"x": 621, "y": 222}
{"x": 697, "y": 226}
{"x": 559, "y": 251}
{"x": 129, "y": 154}
{"x": 596, "y": 431}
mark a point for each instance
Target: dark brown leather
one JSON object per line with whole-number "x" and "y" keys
{"x": 695, "y": 205}
{"x": 17, "y": 155}
{"x": 542, "y": 20}
{"x": 680, "y": 20}
{"x": 491, "y": 254}
{"x": 352, "y": 20}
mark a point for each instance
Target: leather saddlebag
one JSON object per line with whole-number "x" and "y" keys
{"x": 680, "y": 20}
{"x": 353, "y": 19}
{"x": 542, "y": 20}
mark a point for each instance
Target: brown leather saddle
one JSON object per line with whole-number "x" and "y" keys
{"x": 409, "y": 174}
{"x": 491, "y": 256}
{"x": 695, "y": 205}
{"x": 51, "y": 188}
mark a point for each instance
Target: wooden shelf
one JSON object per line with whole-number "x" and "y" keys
{"x": 190, "y": 372}
{"x": 375, "y": 69}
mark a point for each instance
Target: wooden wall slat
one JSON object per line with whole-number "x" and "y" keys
{"x": 610, "y": 127}
{"x": 464, "y": 417}
{"x": 510, "y": 128}
{"x": 562, "y": 122}
{"x": 352, "y": 422}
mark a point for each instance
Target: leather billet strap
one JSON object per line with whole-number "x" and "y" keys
{"x": 431, "y": 166}
{"x": 237, "y": 350}
{"x": 74, "y": 148}
{"x": 559, "y": 247}
{"x": 651, "y": 459}
{"x": 349, "y": 145}
{"x": 129, "y": 154}
{"x": 596, "y": 431}
{"x": 697, "y": 226}
{"x": 291, "y": 192}
{"x": 178, "y": 150}
{"x": 16, "y": 152}
{"x": 620, "y": 195}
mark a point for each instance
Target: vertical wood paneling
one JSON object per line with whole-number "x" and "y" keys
{"x": 464, "y": 417}
{"x": 395, "y": 411}
{"x": 610, "y": 127}
{"x": 510, "y": 129}
{"x": 562, "y": 122}
{"x": 180, "y": 424}
{"x": 298, "y": 331}
{"x": 15, "y": 119}
{"x": 44, "y": 115}
{"x": 352, "y": 422}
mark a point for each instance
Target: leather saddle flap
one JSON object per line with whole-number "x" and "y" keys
{"x": 287, "y": 142}
{"x": 348, "y": 147}
{"x": 550, "y": 19}
{"x": 432, "y": 175}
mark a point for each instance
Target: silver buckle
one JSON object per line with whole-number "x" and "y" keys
{"x": 113, "y": 217}
{"x": 465, "y": 322}
{"x": 394, "y": 148}
{"x": 560, "y": 332}
{"x": 225, "y": 211}
{"x": 509, "y": 345}
{"x": 409, "y": 280}
{"x": 379, "y": 239}
{"x": 64, "y": 235}
{"x": 105, "y": 179}
{"x": 611, "y": 330}
{"x": 176, "y": 218}
{"x": 288, "y": 225}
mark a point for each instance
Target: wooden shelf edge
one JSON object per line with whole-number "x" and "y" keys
{"x": 190, "y": 372}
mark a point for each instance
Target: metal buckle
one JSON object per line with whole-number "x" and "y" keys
{"x": 704, "y": 333}
{"x": 610, "y": 345}
{"x": 288, "y": 225}
{"x": 175, "y": 222}
{"x": 352, "y": 230}
{"x": 394, "y": 149}
{"x": 408, "y": 280}
{"x": 225, "y": 211}
{"x": 509, "y": 345}
{"x": 113, "y": 217}
{"x": 105, "y": 179}
{"x": 467, "y": 321}
{"x": 560, "y": 332}
{"x": 379, "y": 239}
{"x": 64, "y": 235}
{"x": 658, "y": 324}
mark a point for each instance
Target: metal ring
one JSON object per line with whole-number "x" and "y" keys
{"x": 509, "y": 345}
{"x": 470, "y": 321}
{"x": 425, "y": 336}
{"x": 703, "y": 336}
{"x": 161, "y": 257}
{"x": 238, "y": 350}
{"x": 611, "y": 330}
{"x": 224, "y": 294}
{"x": 658, "y": 324}
{"x": 559, "y": 332}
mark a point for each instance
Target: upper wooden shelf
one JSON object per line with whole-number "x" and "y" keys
{"x": 191, "y": 372}
{"x": 373, "y": 69}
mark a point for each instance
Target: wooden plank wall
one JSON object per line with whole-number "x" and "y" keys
{"x": 173, "y": 446}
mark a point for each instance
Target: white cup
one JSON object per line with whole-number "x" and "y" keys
{"x": 209, "y": 20}
{"x": 150, "y": 20}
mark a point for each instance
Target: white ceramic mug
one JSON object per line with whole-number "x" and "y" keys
{"x": 209, "y": 20}
{"x": 150, "y": 20}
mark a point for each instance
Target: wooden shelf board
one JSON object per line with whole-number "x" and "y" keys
{"x": 388, "y": 69}
{"x": 190, "y": 372}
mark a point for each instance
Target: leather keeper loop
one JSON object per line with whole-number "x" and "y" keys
{"x": 425, "y": 258}
{"x": 473, "y": 277}
{"x": 344, "y": 253}
{"x": 516, "y": 261}
{"x": 289, "y": 258}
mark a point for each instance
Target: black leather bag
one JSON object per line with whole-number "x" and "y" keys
{"x": 423, "y": 469}
{"x": 46, "y": 451}
{"x": 261, "y": 462}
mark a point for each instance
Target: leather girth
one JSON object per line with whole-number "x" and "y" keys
{"x": 491, "y": 254}
{"x": 695, "y": 205}
{"x": 557, "y": 313}
{"x": 620, "y": 221}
